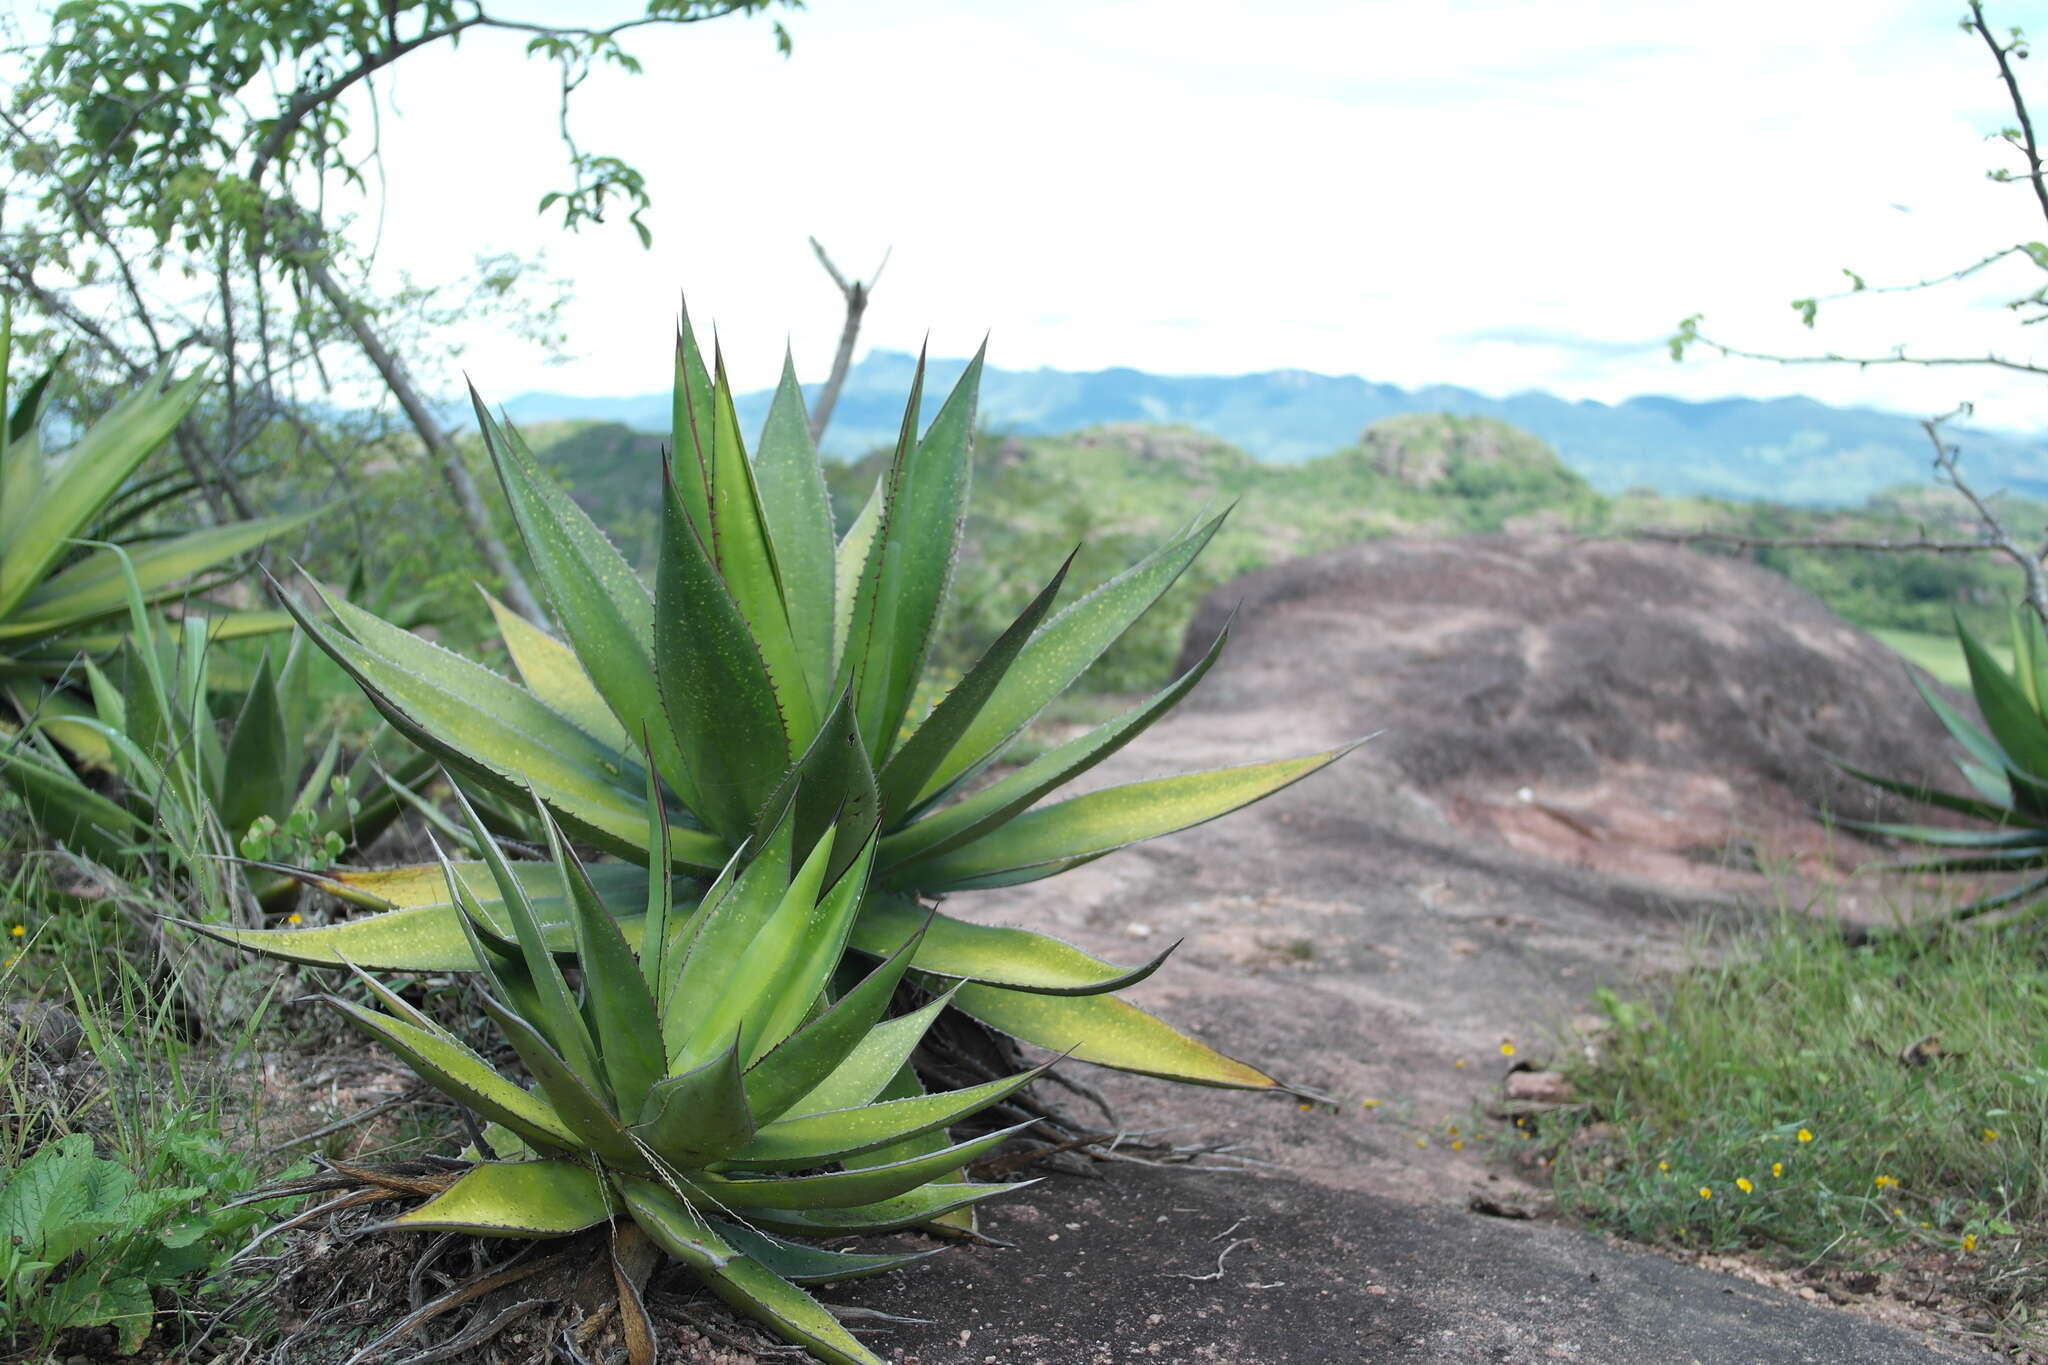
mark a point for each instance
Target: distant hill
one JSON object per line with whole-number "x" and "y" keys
{"x": 1791, "y": 450}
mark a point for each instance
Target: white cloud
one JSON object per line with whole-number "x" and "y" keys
{"x": 1485, "y": 193}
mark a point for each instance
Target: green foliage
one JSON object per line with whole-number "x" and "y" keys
{"x": 2005, "y": 762}
{"x": 1879, "y": 1101}
{"x": 196, "y": 771}
{"x": 770, "y": 660}
{"x": 71, "y": 550}
{"x": 725, "y": 1080}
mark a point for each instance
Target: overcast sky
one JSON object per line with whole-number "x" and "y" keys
{"x": 1489, "y": 193}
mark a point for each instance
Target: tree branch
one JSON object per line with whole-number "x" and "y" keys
{"x": 2002, "y": 55}
{"x": 856, "y": 294}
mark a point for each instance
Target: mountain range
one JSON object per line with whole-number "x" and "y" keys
{"x": 1792, "y": 450}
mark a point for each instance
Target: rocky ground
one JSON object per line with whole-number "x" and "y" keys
{"x": 1587, "y": 754}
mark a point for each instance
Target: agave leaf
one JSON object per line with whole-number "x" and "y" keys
{"x": 77, "y": 487}
{"x": 880, "y": 1055}
{"x": 1020, "y": 959}
{"x": 849, "y": 562}
{"x": 833, "y": 1135}
{"x": 769, "y": 965}
{"x": 700, "y": 1116}
{"x": 799, "y": 517}
{"x": 2015, "y": 724}
{"x": 575, "y": 1097}
{"x": 1962, "y": 805}
{"x": 2016, "y": 860}
{"x": 69, "y": 811}
{"x": 620, "y": 1008}
{"x": 802, "y": 1062}
{"x": 1108, "y": 1032}
{"x": 1062, "y": 651}
{"x": 701, "y": 1015}
{"x": 1103, "y": 821}
{"x": 463, "y": 1076}
{"x": 96, "y": 586}
{"x": 921, "y": 535}
{"x": 994, "y": 805}
{"x": 832, "y": 784}
{"x": 925, "y": 1204}
{"x": 912, "y": 765}
{"x": 554, "y": 672}
{"x": 739, "y": 1280}
{"x": 517, "y": 1199}
{"x": 849, "y": 1188}
{"x": 715, "y": 687}
{"x": 801, "y": 974}
{"x": 1948, "y": 838}
{"x": 865, "y": 660}
{"x": 801, "y": 1263}
{"x": 1974, "y": 741}
{"x": 746, "y": 562}
{"x": 692, "y": 427}
{"x": 561, "y": 1020}
{"x": 602, "y": 605}
{"x": 260, "y": 765}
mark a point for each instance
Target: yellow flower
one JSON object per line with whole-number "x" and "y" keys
{"x": 1458, "y": 1144}
{"x": 17, "y": 930}
{"x": 1452, "y": 1130}
{"x": 1969, "y": 1241}
{"x": 1991, "y": 1135}
{"x": 1507, "y": 1049}
{"x": 1459, "y": 1063}
{"x": 1805, "y": 1135}
{"x": 296, "y": 918}
{"x": 1744, "y": 1185}
{"x": 1422, "y": 1142}
{"x": 1663, "y": 1165}
{"x": 1777, "y": 1170}
{"x": 1706, "y": 1193}
{"x": 1371, "y": 1104}
{"x": 1885, "y": 1182}
{"x": 12, "y": 960}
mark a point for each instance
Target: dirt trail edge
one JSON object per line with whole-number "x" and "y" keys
{"x": 1588, "y": 751}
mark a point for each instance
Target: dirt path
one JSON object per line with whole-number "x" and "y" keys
{"x": 1379, "y": 932}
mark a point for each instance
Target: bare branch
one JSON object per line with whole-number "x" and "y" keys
{"x": 856, "y": 294}
{"x": 1741, "y": 542}
{"x": 1898, "y": 357}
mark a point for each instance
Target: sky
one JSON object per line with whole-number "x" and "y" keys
{"x": 1487, "y": 193}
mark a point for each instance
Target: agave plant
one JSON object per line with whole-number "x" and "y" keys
{"x": 185, "y": 763}
{"x": 69, "y": 541}
{"x": 770, "y": 659}
{"x": 2005, "y": 764}
{"x": 720, "y": 1083}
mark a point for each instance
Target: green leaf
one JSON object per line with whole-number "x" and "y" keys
{"x": 619, "y": 1006}
{"x": 746, "y": 562}
{"x": 799, "y": 518}
{"x": 553, "y": 672}
{"x": 1102, "y": 821}
{"x": 600, "y": 602}
{"x": 922, "y": 1205}
{"x": 740, "y": 1281}
{"x": 698, "y": 1117}
{"x": 1001, "y": 801}
{"x": 912, "y": 765}
{"x": 800, "y": 1263}
{"x": 832, "y": 1135}
{"x": 68, "y": 811}
{"x": 801, "y": 1062}
{"x": 849, "y": 1188}
{"x": 831, "y": 784}
{"x": 517, "y": 1199}
{"x": 76, "y": 487}
{"x": 460, "y": 1074}
{"x": 849, "y": 562}
{"x": 260, "y": 769}
{"x": 873, "y": 1063}
{"x": 573, "y": 1095}
{"x": 692, "y": 428}
{"x": 1108, "y": 1032}
{"x": 2013, "y": 723}
{"x": 1062, "y": 651}
{"x": 715, "y": 687}
{"x": 1019, "y": 959}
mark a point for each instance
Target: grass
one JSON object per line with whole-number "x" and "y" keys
{"x": 1869, "y": 1109}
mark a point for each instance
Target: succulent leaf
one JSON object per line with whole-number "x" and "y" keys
{"x": 1109, "y": 1032}
{"x": 517, "y": 1199}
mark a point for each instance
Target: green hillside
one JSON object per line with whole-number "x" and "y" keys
{"x": 1116, "y": 491}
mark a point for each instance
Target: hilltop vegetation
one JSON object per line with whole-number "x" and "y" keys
{"x": 1118, "y": 490}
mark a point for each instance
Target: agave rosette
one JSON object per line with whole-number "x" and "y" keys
{"x": 722, "y": 1080}
{"x": 772, "y": 659}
